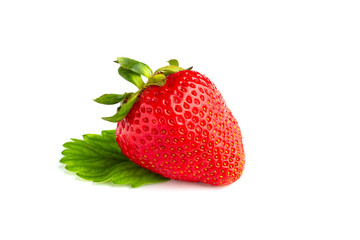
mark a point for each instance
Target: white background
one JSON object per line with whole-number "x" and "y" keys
{"x": 289, "y": 71}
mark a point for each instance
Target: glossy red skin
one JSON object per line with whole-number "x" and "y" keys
{"x": 184, "y": 131}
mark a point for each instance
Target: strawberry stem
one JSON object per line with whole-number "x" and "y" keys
{"x": 132, "y": 70}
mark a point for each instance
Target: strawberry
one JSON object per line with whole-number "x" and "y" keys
{"x": 177, "y": 125}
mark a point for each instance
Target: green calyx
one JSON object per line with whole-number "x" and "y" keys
{"x": 132, "y": 71}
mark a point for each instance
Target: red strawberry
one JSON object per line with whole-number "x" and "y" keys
{"x": 179, "y": 126}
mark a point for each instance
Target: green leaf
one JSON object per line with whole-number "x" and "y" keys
{"x": 132, "y": 77}
{"x": 167, "y": 70}
{"x": 135, "y": 66}
{"x": 173, "y": 62}
{"x": 98, "y": 158}
{"x": 110, "y": 99}
{"x": 124, "y": 110}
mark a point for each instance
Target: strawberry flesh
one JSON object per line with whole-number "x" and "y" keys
{"x": 185, "y": 131}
